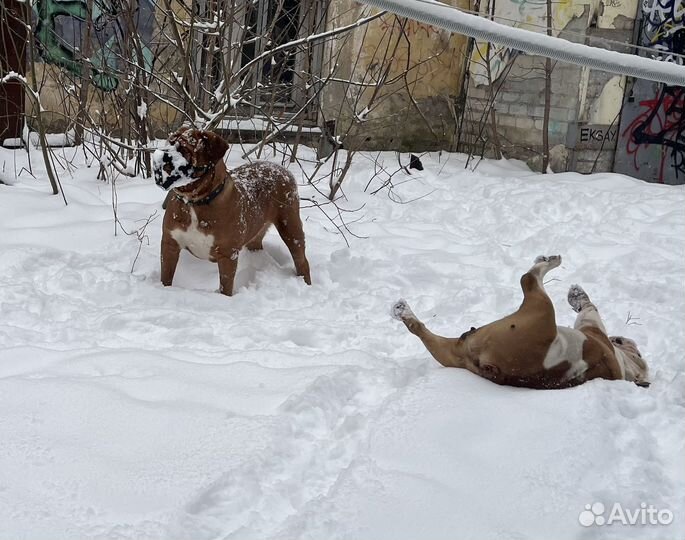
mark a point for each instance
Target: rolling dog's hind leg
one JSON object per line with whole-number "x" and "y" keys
{"x": 531, "y": 281}
{"x": 447, "y": 351}
{"x": 544, "y": 263}
{"x": 536, "y": 303}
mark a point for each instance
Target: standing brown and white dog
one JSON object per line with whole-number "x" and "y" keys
{"x": 527, "y": 348}
{"x": 214, "y": 213}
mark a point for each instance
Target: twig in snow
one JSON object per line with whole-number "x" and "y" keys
{"x": 630, "y": 320}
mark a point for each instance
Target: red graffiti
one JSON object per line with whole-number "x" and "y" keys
{"x": 411, "y": 27}
{"x": 662, "y": 123}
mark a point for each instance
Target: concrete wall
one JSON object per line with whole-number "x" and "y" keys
{"x": 421, "y": 68}
{"x": 585, "y": 104}
{"x": 594, "y": 137}
{"x": 60, "y": 106}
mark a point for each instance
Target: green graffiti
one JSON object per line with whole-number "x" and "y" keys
{"x": 61, "y": 23}
{"x": 55, "y": 49}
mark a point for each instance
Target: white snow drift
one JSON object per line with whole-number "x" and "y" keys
{"x": 135, "y": 411}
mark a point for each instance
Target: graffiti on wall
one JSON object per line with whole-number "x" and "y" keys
{"x": 410, "y": 26}
{"x": 532, "y": 15}
{"x": 663, "y": 28}
{"x": 61, "y": 27}
{"x": 662, "y": 124}
{"x": 652, "y": 143}
{"x": 526, "y": 14}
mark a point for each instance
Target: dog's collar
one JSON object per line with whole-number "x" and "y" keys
{"x": 204, "y": 200}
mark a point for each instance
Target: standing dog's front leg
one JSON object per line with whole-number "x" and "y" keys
{"x": 228, "y": 264}
{"x": 169, "y": 258}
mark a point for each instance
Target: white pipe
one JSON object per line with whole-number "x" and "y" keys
{"x": 456, "y": 21}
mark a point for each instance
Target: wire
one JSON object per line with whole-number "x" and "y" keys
{"x": 457, "y": 21}
{"x": 521, "y": 24}
{"x": 558, "y": 31}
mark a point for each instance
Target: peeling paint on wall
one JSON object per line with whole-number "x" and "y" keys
{"x": 606, "y": 107}
{"x": 526, "y": 14}
{"x": 532, "y": 15}
{"x": 611, "y": 10}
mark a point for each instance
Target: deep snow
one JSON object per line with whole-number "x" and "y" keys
{"x": 135, "y": 411}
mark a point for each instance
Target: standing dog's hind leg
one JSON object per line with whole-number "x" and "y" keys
{"x": 289, "y": 227}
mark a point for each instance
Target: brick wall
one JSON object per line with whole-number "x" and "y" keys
{"x": 581, "y": 135}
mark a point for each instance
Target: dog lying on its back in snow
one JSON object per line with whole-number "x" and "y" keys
{"x": 527, "y": 348}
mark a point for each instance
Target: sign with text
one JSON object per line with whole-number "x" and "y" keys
{"x": 596, "y": 136}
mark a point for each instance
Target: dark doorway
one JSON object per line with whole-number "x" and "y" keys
{"x": 12, "y": 58}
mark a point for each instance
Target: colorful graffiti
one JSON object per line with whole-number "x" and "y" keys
{"x": 652, "y": 123}
{"x": 61, "y": 27}
{"x": 663, "y": 28}
{"x": 661, "y": 123}
{"x": 500, "y": 58}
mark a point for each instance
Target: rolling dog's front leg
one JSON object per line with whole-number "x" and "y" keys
{"x": 447, "y": 351}
{"x": 588, "y": 315}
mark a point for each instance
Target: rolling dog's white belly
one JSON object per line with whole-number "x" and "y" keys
{"x": 567, "y": 347}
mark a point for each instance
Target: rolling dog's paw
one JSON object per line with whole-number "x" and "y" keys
{"x": 553, "y": 260}
{"x": 401, "y": 311}
{"x": 577, "y": 298}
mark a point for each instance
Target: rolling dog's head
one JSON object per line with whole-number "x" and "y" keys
{"x": 635, "y": 367}
{"x": 190, "y": 155}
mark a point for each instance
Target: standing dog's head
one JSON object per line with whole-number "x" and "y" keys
{"x": 190, "y": 155}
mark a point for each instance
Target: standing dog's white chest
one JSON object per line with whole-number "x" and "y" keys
{"x": 194, "y": 239}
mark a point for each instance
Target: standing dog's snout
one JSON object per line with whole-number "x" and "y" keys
{"x": 158, "y": 159}
{"x": 163, "y": 167}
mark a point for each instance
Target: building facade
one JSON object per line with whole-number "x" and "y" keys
{"x": 387, "y": 84}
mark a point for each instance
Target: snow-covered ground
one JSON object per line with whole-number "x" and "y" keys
{"x": 133, "y": 411}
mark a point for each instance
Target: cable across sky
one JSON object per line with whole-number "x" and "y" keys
{"x": 456, "y": 21}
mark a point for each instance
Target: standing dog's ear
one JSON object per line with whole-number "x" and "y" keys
{"x": 210, "y": 148}
{"x": 176, "y": 134}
